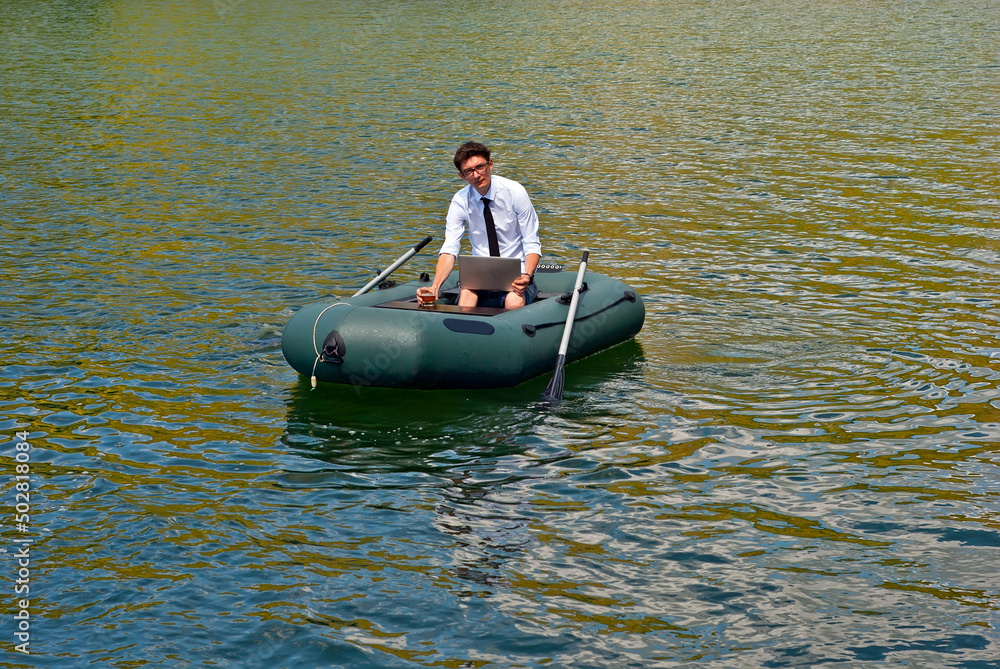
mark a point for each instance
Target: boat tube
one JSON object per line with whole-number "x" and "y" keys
{"x": 385, "y": 338}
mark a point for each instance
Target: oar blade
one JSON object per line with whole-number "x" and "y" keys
{"x": 553, "y": 391}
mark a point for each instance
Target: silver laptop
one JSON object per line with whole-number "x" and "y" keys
{"x": 487, "y": 272}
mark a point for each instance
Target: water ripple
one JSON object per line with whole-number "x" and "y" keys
{"x": 793, "y": 465}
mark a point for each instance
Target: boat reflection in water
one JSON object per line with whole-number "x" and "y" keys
{"x": 457, "y": 461}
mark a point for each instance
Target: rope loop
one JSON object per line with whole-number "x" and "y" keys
{"x": 312, "y": 379}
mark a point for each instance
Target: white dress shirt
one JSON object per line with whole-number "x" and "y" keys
{"x": 513, "y": 216}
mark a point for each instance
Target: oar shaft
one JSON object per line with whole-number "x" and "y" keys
{"x": 553, "y": 392}
{"x": 393, "y": 267}
{"x": 573, "y": 302}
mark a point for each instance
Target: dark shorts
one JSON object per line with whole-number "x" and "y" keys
{"x": 495, "y": 298}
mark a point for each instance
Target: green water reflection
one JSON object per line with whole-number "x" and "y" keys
{"x": 793, "y": 465}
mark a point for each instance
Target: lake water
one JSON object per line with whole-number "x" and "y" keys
{"x": 795, "y": 463}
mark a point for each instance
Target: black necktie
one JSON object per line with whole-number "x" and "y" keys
{"x": 491, "y": 228}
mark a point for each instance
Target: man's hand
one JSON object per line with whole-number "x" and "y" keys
{"x": 521, "y": 283}
{"x": 427, "y": 295}
{"x": 445, "y": 263}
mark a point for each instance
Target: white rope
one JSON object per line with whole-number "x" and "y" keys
{"x": 319, "y": 355}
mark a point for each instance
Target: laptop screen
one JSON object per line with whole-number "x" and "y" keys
{"x": 487, "y": 272}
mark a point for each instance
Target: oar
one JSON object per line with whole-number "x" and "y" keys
{"x": 553, "y": 392}
{"x": 393, "y": 267}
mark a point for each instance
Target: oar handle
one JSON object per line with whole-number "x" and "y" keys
{"x": 427, "y": 240}
{"x": 393, "y": 267}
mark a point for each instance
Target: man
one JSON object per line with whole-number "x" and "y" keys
{"x": 513, "y": 217}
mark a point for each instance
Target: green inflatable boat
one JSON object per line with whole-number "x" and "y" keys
{"x": 385, "y": 338}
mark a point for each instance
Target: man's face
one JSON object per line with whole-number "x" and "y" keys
{"x": 477, "y": 170}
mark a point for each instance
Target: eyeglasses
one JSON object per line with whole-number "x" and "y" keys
{"x": 478, "y": 169}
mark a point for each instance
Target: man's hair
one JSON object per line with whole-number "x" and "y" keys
{"x": 468, "y": 150}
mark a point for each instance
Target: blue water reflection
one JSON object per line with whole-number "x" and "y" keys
{"x": 793, "y": 465}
